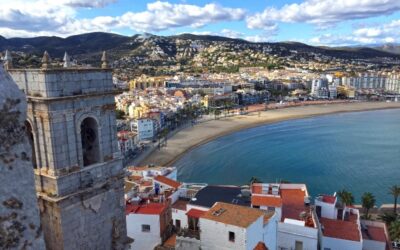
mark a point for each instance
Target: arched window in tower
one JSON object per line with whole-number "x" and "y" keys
{"x": 29, "y": 132}
{"x": 90, "y": 141}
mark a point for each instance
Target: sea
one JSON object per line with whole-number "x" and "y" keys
{"x": 358, "y": 151}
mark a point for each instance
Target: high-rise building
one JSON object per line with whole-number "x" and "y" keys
{"x": 78, "y": 167}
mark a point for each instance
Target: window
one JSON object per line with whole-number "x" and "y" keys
{"x": 299, "y": 245}
{"x": 231, "y": 236}
{"x": 90, "y": 142}
{"x": 145, "y": 228}
{"x": 29, "y": 132}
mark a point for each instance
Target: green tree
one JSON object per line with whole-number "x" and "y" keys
{"x": 395, "y": 191}
{"x": 368, "y": 202}
{"x": 394, "y": 230}
{"x": 388, "y": 218}
{"x": 254, "y": 179}
{"x": 119, "y": 114}
{"x": 346, "y": 197}
{"x": 217, "y": 112}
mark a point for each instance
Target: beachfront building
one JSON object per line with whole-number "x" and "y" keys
{"x": 144, "y": 128}
{"x": 297, "y": 226}
{"x": 127, "y": 141}
{"x": 340, "y": 227}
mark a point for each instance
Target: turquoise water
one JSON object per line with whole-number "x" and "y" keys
{"x": 356, "y": 151}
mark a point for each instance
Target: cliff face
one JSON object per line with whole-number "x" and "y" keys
{"x": 19, "y": 214}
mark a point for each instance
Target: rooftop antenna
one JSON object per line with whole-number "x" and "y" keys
{"x": 67, "y": 61}
{"x": 104, "y": 64}
{"x": 8, "y": 60}
{"x": 45, "y": 60}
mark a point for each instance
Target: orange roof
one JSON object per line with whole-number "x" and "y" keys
{"x": 167, "y": 181}
{"x": 233, "y": 214}
{"x": 261, "y": 246}
{"x": 151, "y": 208}
{"x": 269, "y": 201}
{"x": 195, "y": 213}
{"x": 328, "y": 199}
{"x": 340, "y": 229}
{"x": 293, "y": 205}
{"x": 374, "y": 233}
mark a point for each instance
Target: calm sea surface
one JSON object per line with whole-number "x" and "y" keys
{"x": 356, "y": 151}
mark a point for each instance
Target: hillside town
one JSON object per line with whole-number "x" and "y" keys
{"x": 159, "y": 211}
{"x": 152, "y": 107}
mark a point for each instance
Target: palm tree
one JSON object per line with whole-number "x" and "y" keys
{"x": 254, "y": 180}
{"x": 368, "y": 202}
{"x": 394, "y": 230}
{"x": 395, "y": 191}
{"x": 346, "y": 197}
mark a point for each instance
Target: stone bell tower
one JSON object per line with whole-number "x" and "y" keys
{"x": 78, "y": 168}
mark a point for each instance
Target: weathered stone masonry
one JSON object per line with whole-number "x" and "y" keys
{"x": 79, "y": 174}
{"x": 19, "y": 214}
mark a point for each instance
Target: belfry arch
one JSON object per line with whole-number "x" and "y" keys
{"x": 90, "y": 141}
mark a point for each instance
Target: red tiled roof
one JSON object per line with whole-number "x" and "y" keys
{"x": 167, "y": 181}
{"x": 261, "y": 246}
{"x": 340, "y": 229}
{"x": 151, "y": 208}
{"x": 195, "y": 213}
{"x": 293, "y": 204}
{"x": 374, "y": 233}
{"x": 329, "y": 199}
{"x": 269, "y": 201}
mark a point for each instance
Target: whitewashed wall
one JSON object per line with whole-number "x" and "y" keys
{"x": 143, "y": 240}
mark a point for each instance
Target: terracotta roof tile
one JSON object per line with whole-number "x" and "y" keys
{"x": 151, "y": 208}
{"x": 167, "y": 181}
{"x": 195, "y": 213}
{"x": 340, "y": 229}
{"x": 269, "y": 201}
{"x": 233, "y": 214}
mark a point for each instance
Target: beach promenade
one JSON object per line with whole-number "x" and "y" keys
{"x": 201, "y": 133}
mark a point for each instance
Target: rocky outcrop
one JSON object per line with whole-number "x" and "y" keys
{"x": 19, "y": 214}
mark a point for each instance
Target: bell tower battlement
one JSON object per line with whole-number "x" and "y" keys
{"x": 78, "y": 167}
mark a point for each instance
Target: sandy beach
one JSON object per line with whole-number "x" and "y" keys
{"x": 192, "y": 137}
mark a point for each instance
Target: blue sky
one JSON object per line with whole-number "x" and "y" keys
{"x": 317, "y": 22}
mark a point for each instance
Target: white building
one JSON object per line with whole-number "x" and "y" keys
{"x": 147, "y": 224}
{"x": 297, "y": 225}
{"x": 227, "y": 226}
{"x": 339, "y": 226}
{"x": 144, "y": 128}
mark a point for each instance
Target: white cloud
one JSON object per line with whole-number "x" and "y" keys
{"x": 164, "y": 15}
{"x": 322, "y": 12}
{"x": 231, "y": 33}
{"x": 86, "y": 3}
{"x": 59, "y": 17}
{"x": 384, "y": 33}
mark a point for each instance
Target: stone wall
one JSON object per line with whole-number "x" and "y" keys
{"x": 20, "y": 226}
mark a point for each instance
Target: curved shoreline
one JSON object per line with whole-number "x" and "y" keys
{"x": 193, "y": 137}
